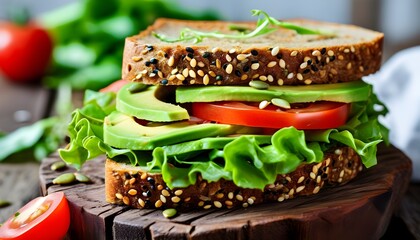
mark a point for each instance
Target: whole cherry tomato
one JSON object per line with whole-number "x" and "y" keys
{"x": 25, "y": 51}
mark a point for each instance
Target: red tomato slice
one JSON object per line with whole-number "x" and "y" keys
{"x": 115, "y": 86}
{"x": 318, "y": 115}
{"x": 42, "y": 218}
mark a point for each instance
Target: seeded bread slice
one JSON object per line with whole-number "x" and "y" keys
{"x": 281, "y": 57}
{"x": 129, "y": 185}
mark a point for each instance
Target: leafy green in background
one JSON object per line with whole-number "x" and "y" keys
{"x": 89, "y": 37}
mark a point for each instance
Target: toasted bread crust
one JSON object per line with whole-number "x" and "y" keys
{"x": 279, "y": 58}
{"x": 129, "y": 185}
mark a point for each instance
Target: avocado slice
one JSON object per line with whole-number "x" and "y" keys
{"x": 337, "y": 92}
{"x": 145, "y": 105}
{"x": 123, "y": 131}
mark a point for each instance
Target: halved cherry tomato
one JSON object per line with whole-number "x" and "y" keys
{"x": 115, "y": 86}
{"x": 317, "y": 115}
{"x": 42, "y": 218}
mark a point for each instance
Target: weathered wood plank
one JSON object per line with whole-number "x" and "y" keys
{"x": 366, "y": 204}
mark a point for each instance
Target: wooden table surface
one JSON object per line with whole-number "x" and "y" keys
{"x": 21, "y": 105}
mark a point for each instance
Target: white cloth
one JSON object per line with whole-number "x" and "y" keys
{"x": 397, "y": 85}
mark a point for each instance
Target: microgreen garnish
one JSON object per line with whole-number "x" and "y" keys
{"x": 265, "y": 24}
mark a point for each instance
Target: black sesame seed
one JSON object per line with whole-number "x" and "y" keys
{"x": 332, "y": 58}
{"x": 189, "y": 49}
{"x": 219, "y": 77}
{"x": 323, "y": 50}
{"x": 306, "y": 71}
{"x": 213, "y": 63}
{"x": 166, "y": 55}
{"x": 284, "y": 181}
{"x": 153, "y": 60}
{"x": 147, "y": 202}
{"x": 317, "y": 61}
{"x": 245, "y": 68}
{"x": 151, "y": 180}
{"x": 190, "y": 55}
{"x": 238, "y": 73}
{"x": 314, "y": 68}
{"x": 254, "y": 61}
{"x": 322, "y": 63}
{"x": 144, "y": 188}
{"x": 254, "y": 52}
{"x": 149, "y": 48}
{"x": 164, "y": 81}
{"x": 185, "y": 82}
{"x": 155, "y": 71}
{"x": 127, "y": 175}
{"x": 206, "y": 55}
{"x": 134, "y": 175}
{"x": 225, "y": 66}
{"x": 279, "y": 56}
{"x": 309, "y": 62}
{"x": 147, "y": 63}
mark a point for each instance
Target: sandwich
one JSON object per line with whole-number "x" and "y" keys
{"x": 213, "y": 114}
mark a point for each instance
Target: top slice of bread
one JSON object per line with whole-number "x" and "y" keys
{"x": 281, "y": 57}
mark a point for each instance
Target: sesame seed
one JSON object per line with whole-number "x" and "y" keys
{"x": 214, "y": 50}
{"x": 254, "y": 52}
{"x": 189, "y": 49}
{"x": 275, "y": 51}
{"x": 338, "y": 151}
{"x": 361, "y": 68}
{"x": 312, "y": 175}
{"x": 230, "y": 195}
{"x": 340, "y": 57}
{"x": 294, "y": 53}
{"x": 185, "y": 73}
{"x": 172, "y": 77}
{"x": 316, "y": 53}
{"x": 119, "y": 195}
{"x": 200, "y": 73}
{"x": 192, "y": 81}
{"x": 239, "y": 197}
{"x": 219, "y": 77}
{"x": 133, "y": 180}
{"x": 149, "y": 48}
{"x": 153, "y": 60}
{"x": 271, "y": 64}
{"x": 163, "y": 198}
{"x": 228, "y": 58}
{"x": 158, "y": 204}
{"x": 147, "y": 63}
{"x": 229, "y": 68}
{"x": 206, "y": 79}
{"x": 178, "y": 192}
{"x": 211, "y": 73}
{"x": 245, "y": 68}
{"x": 136, "y": 58}
{"x": 238, "y": 73}
{"x": 217, "y": 204}
{"x": 218, "y": 63}
{"x": 340, "y": 180}
{"x": 255, "y": 66}
{"x": 299, "y": 76}
{"x": 232, "y": 50}
{"x": 175, "y": 199}
{"x": 290, "y": 75}
{"x": 291, "y": 192}
{"x": 144, "y": 51}
{"x": 346, "y": 50}
{"x": 316, "y": 190}
{"x": 280, "y": 199}
{"x": 263, "y": 104}
{"x": 245, "y": 205}
{"x": 288, "y": 179}
{"x": 192, "y": 74}
{"x": 139, "y": 76}
{"x": 207, "y": 207}
{"x": 141, "y": 202}
{"x": 201, "y": 64}
{"x": 180, "y": 77}
{"x": 282, "y": 63}
{"x": 323, "y": 50}
{"x": 242, "y": 56}
{"x": 165, "y": 193}
{"x": 280, "y": 82}
{"x": 187, "y": 199}
{"x": 126, "y": 200}
{"x": 250, "y": 201}
{"x": 315, "y": 169}
{"x": 303, "y": 65}
{"x": 201, "y": 203}
{"x": 270, "y": 78}
{"x": 206, "y": 54}
{"x": 330, "y": 53}
{"x": 193, "y": 63}
{"x": 263, "y": 78}
{"x": 342, "y": 173}
{"x": 352, "y": 49}
{"x": 314, "y": 68}
{"x": 244, "y": 77}
{"x": 174, "y": 71}
{"x": 299, "y": 189}
{"x": 318, "y": 179}
{"x": 132, "y": 192}
{"x": 327, "y": 162}
{"x": 349, "y": 65}
{"x": 220, "y": 195}
{"x": 228, "y": 203}
{"x": 301, "y": 179}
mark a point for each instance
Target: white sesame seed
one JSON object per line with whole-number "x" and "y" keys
{"x": 291, "y": 192}
{"x": 318, "y": 179}
{"x": 342, "y": 173}
{"x": 214, "y": 50}
{"x": 255, "y": 76}
{"x": 315, "y": 169}
{"x": 174, "y": 71}
{"x": 340, "y": 180}
{"x": 348, "y": 65}
{"x": 207, "y": 207}
{"x": 152, "y": 75}
{"x": 303, "y": 65}
{"x": 206, "y": 79}
{"x": 126, "y": 200}
{"x": 139, "y": 76}
{"x": 340, "y": 57}
{"x": 271, "y": 64}
{"x": 200, "y": 73}
{"x": 163, "y": 198}
{"x": 201, "y": 203}
{"x": 299, "y": 76}
{"x": 228, "y": 58}
{"x": 263, "y": 104}
{"x": 239, "y": 197}
{"x": 280, "y": 199}
{"x": 185, "y": 72}
{"x": 245, "y": 205}
{"x": 316, "y": 190}
{"x": 290, "y": 75}
{"x": 327, "y": 162}
{"x": 275, "y": 51}
{"x": 294, "y": 53}
{"x": 242, "y": 56}
{"x": 338, "y": 151}
{"x": 201, "y": 64}
{"x": 244, "y": 77}
{"x": 193, "y": 63}
{"x": 171, "y": 61}
{"x": 255, "y": 66}
{"x": 280, "y": 82}
{"x": 141, "y": 202}
{"x": 220, "y": 195}
{"x": 306, "y": 59}
{"x": 172, "y": 77}
{"x": 165, "y": 193}
{"x": 158, "y": 204}
{"x": 250, "y": 201}
{"x": 308, "y": 81}
{"x": 178, "y": 192}
{"x": 316, "y": 53}
{"x": 175, "y": 199}
{"x": 263, "y": 78}
{"x": 301, "y": 179}
{"x": 282, "y": 63}
{"x": 270, "y": 78}
{"x": 346, "y": 50}
{"x": 361, "y": 68}
{"x": 218, "y": 63}
{"x": 217, "y": 204}
{"x": 330, "y": 53}
{"x": 232, "y": 50}
{"x": 192, "y": 81}
{"x": 228, "y": 203}
{"x": 352, "y": 49}
{"x": 299, "y": 189}
{"x": 119, "y": 195}
{"x": 192, "y": 74}
{"x": 132, "y": 192}
{"x": 160, "y": 74}
{"x": 230, "y": 195}
{"x": 229, "y": 68}
{"x": 136, "y": 58}
{"x": 211, "y": 73}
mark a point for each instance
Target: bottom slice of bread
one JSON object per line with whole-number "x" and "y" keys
{"x": 129, "y": 185}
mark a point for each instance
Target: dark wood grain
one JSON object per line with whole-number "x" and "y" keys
{"x": 361, "y": 209}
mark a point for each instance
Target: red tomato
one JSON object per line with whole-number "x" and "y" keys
{"x": 42, "y": 218}
{"x": 25, "y": 51}
{"x": 115, "y": 86}
{"x": 318, "y": 115}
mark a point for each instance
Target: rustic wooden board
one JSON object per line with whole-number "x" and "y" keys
{"x": 361, "y": 209}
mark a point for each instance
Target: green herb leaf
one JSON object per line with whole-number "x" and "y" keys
{"x": 265, "y": 25}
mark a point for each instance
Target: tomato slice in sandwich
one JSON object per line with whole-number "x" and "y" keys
{"x": 317, "y": 115}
